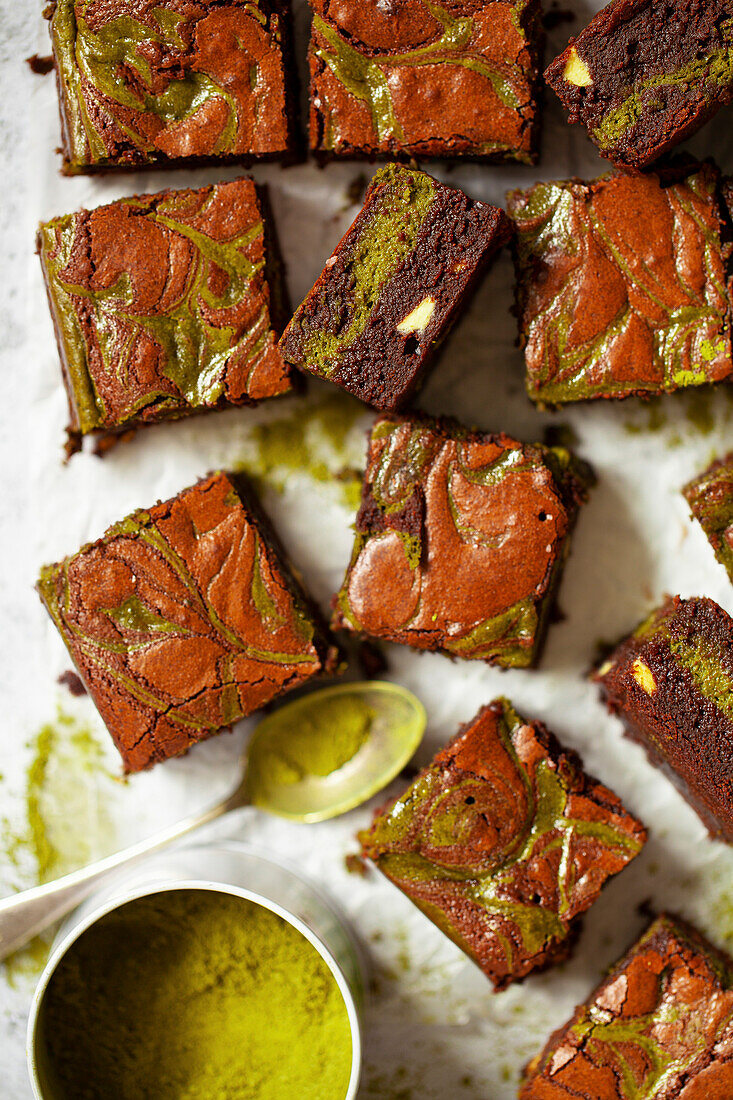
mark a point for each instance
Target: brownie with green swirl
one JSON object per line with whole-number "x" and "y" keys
{"x": 621, "y": 284}
{"x": 671, "y": 684}
{"x": 461, "y": 539}
{"x": 504, "y": 841}
{"x": 184, "y": 618}
{"x": 645, "y": 75}
{"x": 165, "y": 305}
{"x": 396, "y": 283}
{"x": 658, "y": 1027}
{"x": 710, "y": 497}
{"x": 158, "y": 83}
{"x": 423, "y": 79}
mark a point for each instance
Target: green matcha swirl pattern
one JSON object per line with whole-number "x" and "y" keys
{"x": 219, "y": 315}
{"x": 670, "y": 321}
{"x": 404, "y": 456}
{"x": 434, "y": 839}
{"x": 367, "y": 78}
{"x": 93, "y": 60}
{"x": 713, "y": 72}
{"x": 162, "y": 604}
{"x": 380, "y": 244}
{"x": 635, "y": 1046}
{"x": 141, "y": 83}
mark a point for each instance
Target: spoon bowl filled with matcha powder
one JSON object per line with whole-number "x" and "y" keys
{"x": 310, "y": 760}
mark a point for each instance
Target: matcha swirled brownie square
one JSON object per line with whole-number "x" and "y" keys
{"x": 671, "y": 684}
{"x": 460, "y": 540}
{"x": 395, "y": 284}
{"x": 658, "y": 1027}
{"x": 646, "y": 74}
{"x": 418, "y": 78}
{"x": 710, "y": 497}
{"x": 185, "y": 618}
{"x": 146, "y": 83}
{"x": 621, "y": 284}
{"x": 165, "y": 305}
{"x": 503, "y": 841}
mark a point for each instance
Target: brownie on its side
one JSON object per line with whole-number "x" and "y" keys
{"x": 183, "y": 619}
{"x": 145, "y": 84}
{"x": 671, "y": 683}
{"x": 621, "y": 284}
{"x": 393, "y": 287}
{"x": 164, "y": 305}
{"x": 710, "y": 497}
{"x": 503, "y": 841}
{"x": 659, "y": 1027}
{"x": 418, "y": 79}
{"x": 460, "y": 540}
{"x": 646, "y": 74}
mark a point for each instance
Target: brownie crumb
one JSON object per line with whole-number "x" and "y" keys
{"x": 355, "y": 865}
{"x": 41, "y": 66}
{"x": 73, "y": 682}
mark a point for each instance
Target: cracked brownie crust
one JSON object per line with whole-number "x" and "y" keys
{"x": 671, "y": 683}
{"x": 394, "y": 286}
{"x": 710, "y": 497}
{"x": 621, "y": 284}
{"x": 183, "y": 619}
{"x": 156, "y": 82}
{"x": 416, "y": 78}
{"x": 646, "y": 74}
{"x": 503, "y": 841}
{"x": 660, "y": 1027}
{"x": 460, "y": 540}
{"x": 165, "y": 305}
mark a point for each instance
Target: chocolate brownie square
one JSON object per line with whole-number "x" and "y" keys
{"x": 646, "y": 74}
{"x": 395, "y": 284}
{"x": 460, "y": 540}
{"x": 503, "y": 841}
{"x": 413, "y": 78}
{"x": 710, "y": 497}
{"x": 165, "y": 305}
{"x": 671, "y": 683}
{"x": 183, "y": 619}
{"x": 621, "y": 284}
{"x": 146, "y": 83}
{"x": 659, "y": 1027}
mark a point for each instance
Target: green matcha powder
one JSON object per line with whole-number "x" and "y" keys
{"x": 195, "y": 995}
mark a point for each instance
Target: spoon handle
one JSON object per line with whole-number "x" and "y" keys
{"x": 24, "y": 915}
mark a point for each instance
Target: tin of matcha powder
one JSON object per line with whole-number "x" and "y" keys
{"x": 194, "y": 995}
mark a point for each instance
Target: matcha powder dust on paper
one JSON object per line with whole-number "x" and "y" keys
{"x": 66, "y": 820}
{"x": 319, "y": 439}
{"x": 197, "y": 995}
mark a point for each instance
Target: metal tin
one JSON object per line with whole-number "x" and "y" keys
{"x": 232, "y": 868}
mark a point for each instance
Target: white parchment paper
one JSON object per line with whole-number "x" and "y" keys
{"x": 433, "y": 1028}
